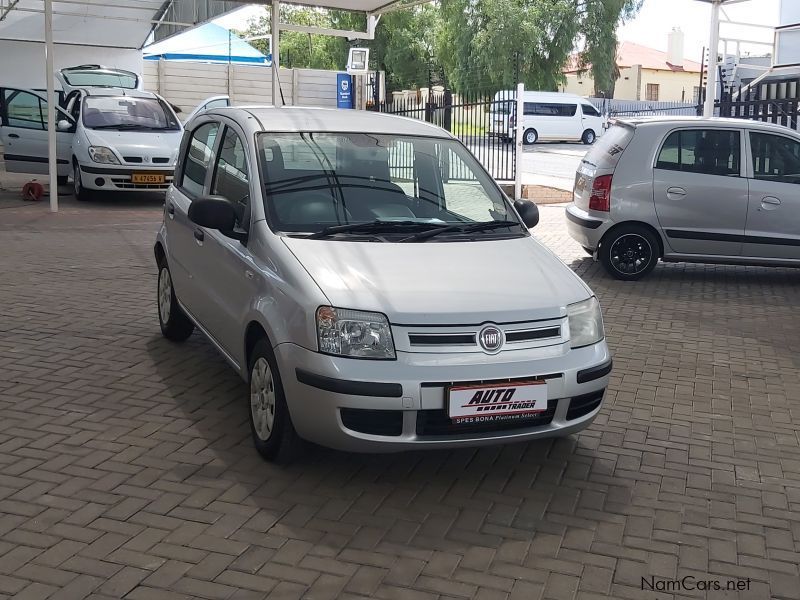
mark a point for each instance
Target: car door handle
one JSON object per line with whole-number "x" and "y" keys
{"x": 171, "y": 210}
{"x": 676, "y": 193}
{"x": 13, "y": 135}
{"x": 199, "y": 236}
{"x": 770, "y": 203}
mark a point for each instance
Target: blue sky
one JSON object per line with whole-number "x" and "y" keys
{"x": 654, "y": 22}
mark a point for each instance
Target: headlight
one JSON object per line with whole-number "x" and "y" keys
{"x": 585, "y": 323}
{"x": 101, "y": 154}
{"x": 355, "y": 333}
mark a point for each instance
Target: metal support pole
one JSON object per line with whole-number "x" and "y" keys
{"x": 519, "y": 113}
{"x": 276, "y": 21}
{"x": 52, "y": 157}
{"x": 713, "y": 49}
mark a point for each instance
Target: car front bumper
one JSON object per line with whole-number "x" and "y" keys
{"x": 389, "y": 406}
{"x": 586, "y": 228}
{"x": 120, "y": 178}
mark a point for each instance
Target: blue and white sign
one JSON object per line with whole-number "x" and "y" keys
{"x": 344, "y": 90}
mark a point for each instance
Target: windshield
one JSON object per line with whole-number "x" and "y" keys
{"x": 315, "y": 181}
{"x": 95, "y": 78}
{"x": 125, "y": 112}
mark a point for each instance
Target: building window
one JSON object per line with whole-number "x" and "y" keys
{"x": 651, "y": 93}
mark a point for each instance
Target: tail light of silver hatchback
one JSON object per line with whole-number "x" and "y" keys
{"x": 601, "y": 194}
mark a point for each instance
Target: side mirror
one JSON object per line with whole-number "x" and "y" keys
{"x": 63, "y": 125}
{"x": 216, "y": 212}
{"x": 528, "y": 211}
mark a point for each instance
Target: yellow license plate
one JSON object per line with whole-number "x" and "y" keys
{"x": 148, "y": 178}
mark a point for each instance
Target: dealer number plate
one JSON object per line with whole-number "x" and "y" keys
{"x": 148, "y": 178}
{"x": 487, "y": 403}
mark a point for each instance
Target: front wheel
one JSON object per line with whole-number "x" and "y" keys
{"x": 589, "y": 137}
{"x": 529, "y": 137}
{"x": 175, "y": 325}
{"x": 271, "y": 425}
{"x": 629, "y": 252}
{"x": 81, "y": 193}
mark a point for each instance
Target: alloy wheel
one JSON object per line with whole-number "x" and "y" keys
{"x": 164, "y": 294}
{"x": 630, "y": 254}
{"x": 262, "y": 399}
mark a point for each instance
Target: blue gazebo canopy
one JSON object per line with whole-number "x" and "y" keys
{"x": 208, "y": 42}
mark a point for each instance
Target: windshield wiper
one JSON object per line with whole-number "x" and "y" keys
{"x": 373, "y": 227}
{"x": 129, "y": 126}
{"x": 466, "y": 228}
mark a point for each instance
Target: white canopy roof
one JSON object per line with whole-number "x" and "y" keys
{"x": 123, "y": 24}
{"x": 128, "y": 23}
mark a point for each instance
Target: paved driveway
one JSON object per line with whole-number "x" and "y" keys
{"x": 126, "y": 469}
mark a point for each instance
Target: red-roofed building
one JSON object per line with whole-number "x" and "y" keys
{"x": 645, "y": 74}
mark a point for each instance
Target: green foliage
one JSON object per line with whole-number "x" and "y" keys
{"x": 600, "y": 51}
{"x": 482, "y": 45}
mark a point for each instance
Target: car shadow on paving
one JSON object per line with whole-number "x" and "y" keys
{"x": 127, "y": 470}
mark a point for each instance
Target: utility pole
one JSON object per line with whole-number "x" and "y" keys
{"x": 713, "y": 49}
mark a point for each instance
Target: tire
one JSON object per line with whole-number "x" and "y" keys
{"x": 175, "y": 325}
{"x": 62, "y": 179}
{"x": 589, "y": 137}
{"x": 629, "y": 252}
{"x": 80, "y": 192}
{"x": 271, "y": 425}
{"x": 530, "y": 137}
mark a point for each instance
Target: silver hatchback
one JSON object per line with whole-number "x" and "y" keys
{"x": 373, "y": 285}
{"x": 689, "y": 189}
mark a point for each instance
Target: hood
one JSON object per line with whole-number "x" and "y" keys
{"x": 146, "y": 144}
{"x": 442, "y": 282}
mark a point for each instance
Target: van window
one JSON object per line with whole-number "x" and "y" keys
{"x": 589, "y": 110}
{"x": 198, "y": 158}
{"x": 775, "y": 158}
{"x": 550, "y": 109}
{"x": 709, "y": 151}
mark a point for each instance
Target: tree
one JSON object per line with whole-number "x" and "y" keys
{"x": 403, "y": 45}
{"x": 297, "y": 49}
{"x": 487, "y": 45}
{"x": 600, "y": 51}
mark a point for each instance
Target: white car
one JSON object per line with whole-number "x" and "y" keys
{"x": 112, "y": 135}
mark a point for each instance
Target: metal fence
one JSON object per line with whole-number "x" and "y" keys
{"x": 469, "y": 119}
{"x": 611, "y": 107}
{"x": 774, "y": 102}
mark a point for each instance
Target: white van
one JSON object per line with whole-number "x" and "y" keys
{"x": 557, "y": 117}
{"x": 500, "y": 113}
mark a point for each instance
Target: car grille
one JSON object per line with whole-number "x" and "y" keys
{"x": 464, "y": 338}
{"x": 580, "y": 406}
{"x": 132, "y": 159}
{"x": 437, "y": 423}
{"x": 160, "y": 160}
{"x": 156, "y": 160}
{"x": 375, "y": 422}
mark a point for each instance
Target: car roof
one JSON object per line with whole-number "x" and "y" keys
{"x": 703, "y": 121}
{"x": 295, "y": 118}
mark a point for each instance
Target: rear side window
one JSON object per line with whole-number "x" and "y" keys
{"x": 198, "y": 158}
{"x": 707, "y": 151}
{"x": 775, "y": 158}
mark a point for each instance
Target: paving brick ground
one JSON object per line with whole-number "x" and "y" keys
{"x": 126, "y": 469}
